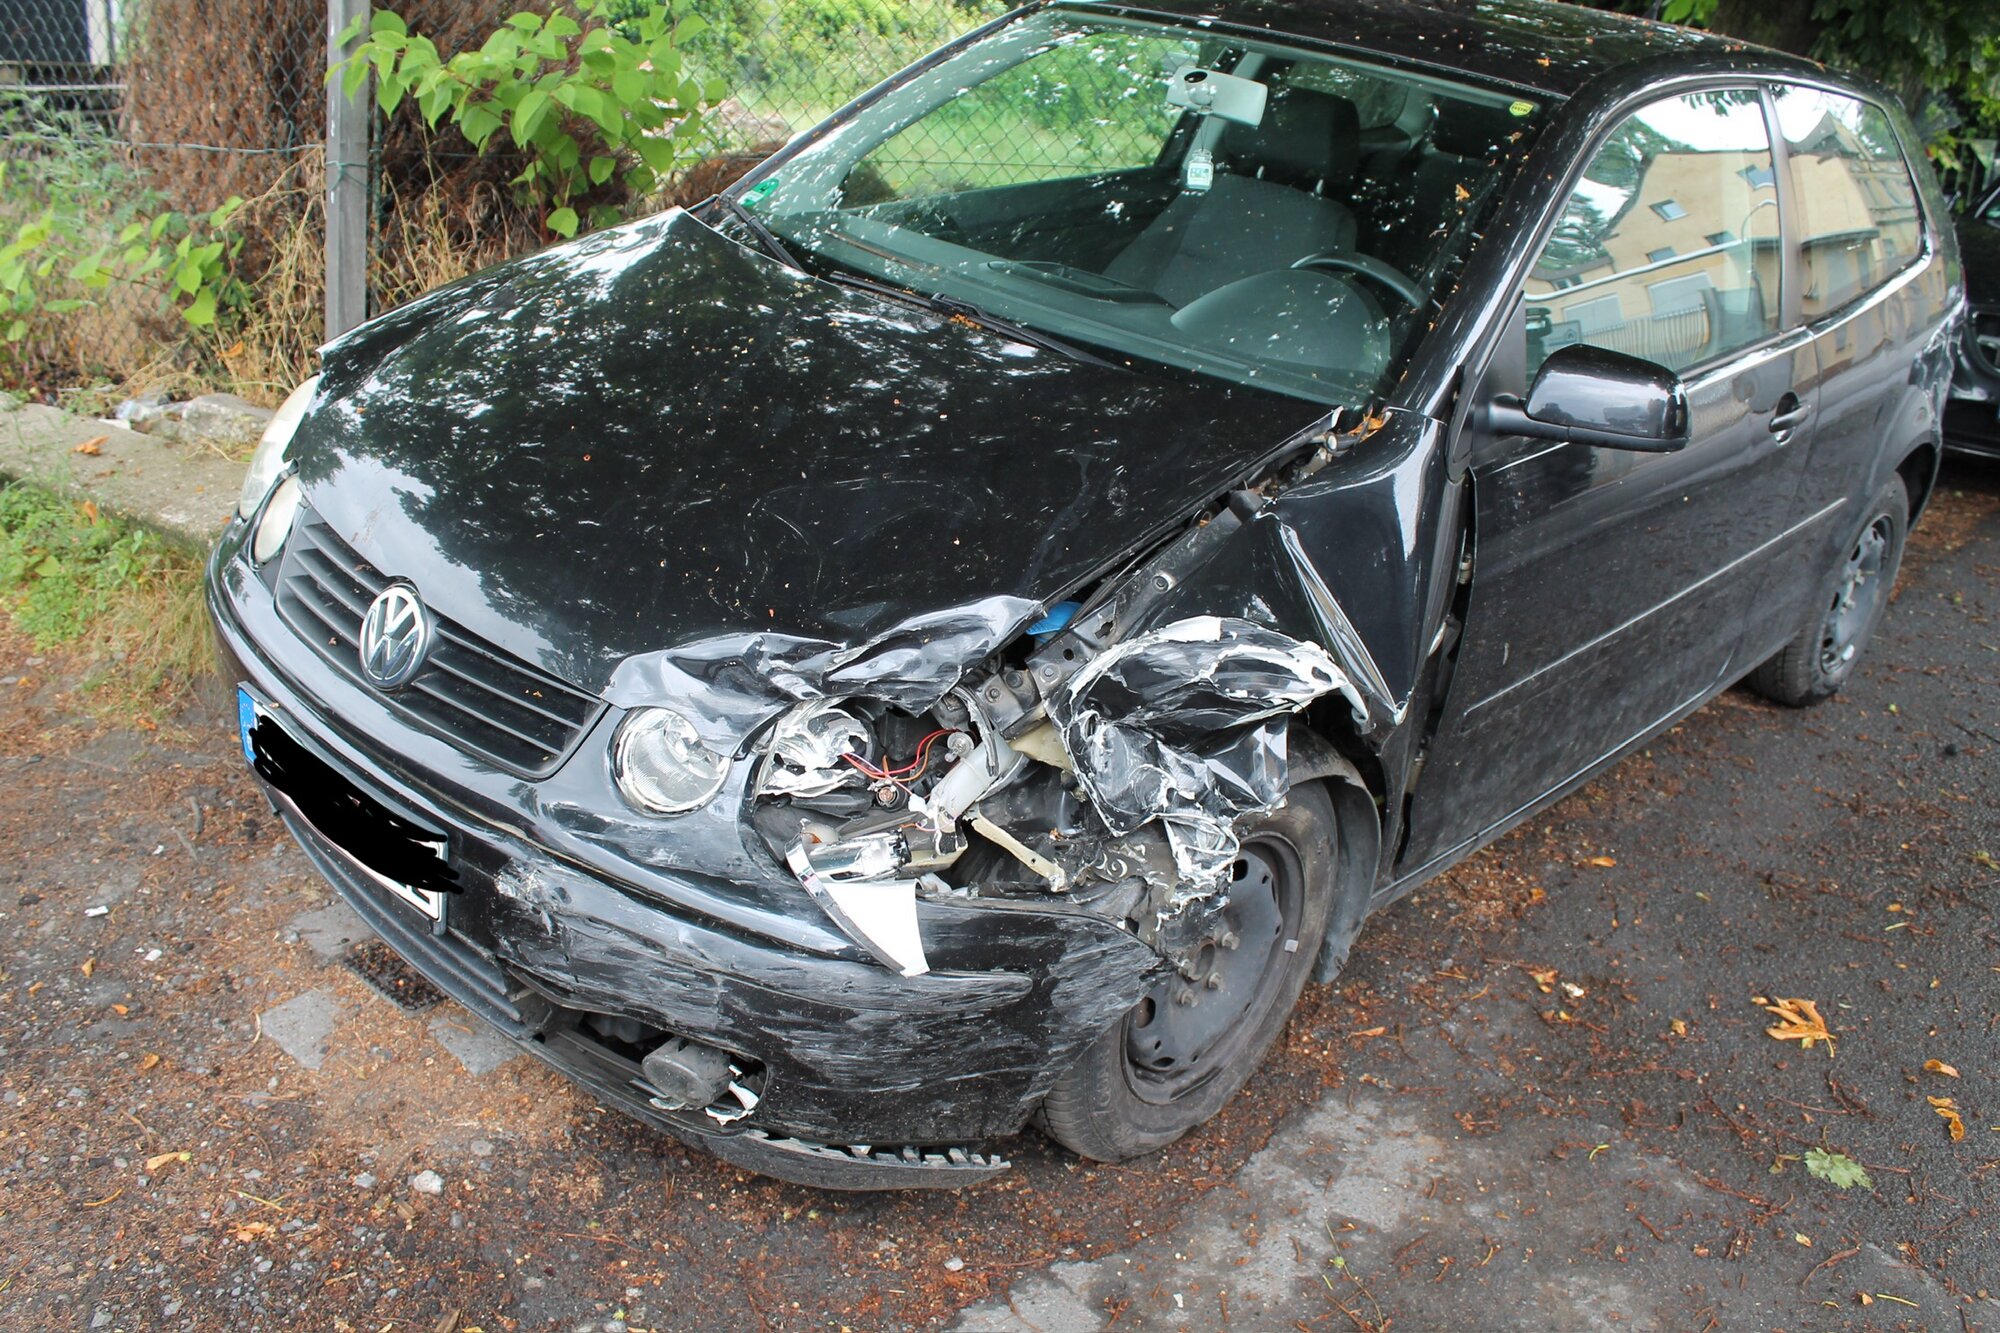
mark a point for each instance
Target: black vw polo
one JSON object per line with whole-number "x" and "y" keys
{"x": 963, "y": 626}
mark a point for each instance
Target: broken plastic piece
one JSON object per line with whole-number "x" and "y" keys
{"x": 878, "y": 914}
{"x": 806, "y": 747}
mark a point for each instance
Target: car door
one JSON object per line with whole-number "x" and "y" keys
{"x": 1609, "y": 586}
{"x": 1858, "y": 230}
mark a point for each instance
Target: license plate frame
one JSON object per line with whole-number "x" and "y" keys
{"x": 251, "y": 711}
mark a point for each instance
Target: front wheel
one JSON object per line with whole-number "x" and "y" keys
{"x": 1185, "y": 1049}
{"x": 1852, "y": 601}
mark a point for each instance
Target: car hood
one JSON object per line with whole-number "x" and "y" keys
{"x": 656, "y": 438}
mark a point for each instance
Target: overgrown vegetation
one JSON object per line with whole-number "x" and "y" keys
{"x": 600, "y": 103}
{"x": 88, "y": 253}
{"x": 123, "y": 596}
{"x": 1942, "y": 57}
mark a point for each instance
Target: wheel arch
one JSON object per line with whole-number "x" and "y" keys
{"x": 1358, "y": 841}
{"x": 1918, "y": 468}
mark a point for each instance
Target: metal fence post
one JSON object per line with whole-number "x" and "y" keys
{"x": 346, "y": 181}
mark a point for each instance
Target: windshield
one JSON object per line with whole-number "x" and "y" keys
{"x": 1168, "y": 194}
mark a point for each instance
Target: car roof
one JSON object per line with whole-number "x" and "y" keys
{"x": 1537, "y": 44}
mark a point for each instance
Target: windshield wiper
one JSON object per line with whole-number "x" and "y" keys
{"x": 765, "y": 236}
{"x": 957, "y": 309}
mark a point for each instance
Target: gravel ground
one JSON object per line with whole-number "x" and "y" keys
{"x": 1541, "y": 1097}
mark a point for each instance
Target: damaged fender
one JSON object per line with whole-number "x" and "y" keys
{"x": 1186, "y": 725}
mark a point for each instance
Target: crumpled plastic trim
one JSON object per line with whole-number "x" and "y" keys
{"x": 1186, "y": 725}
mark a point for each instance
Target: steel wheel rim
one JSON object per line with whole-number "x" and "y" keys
{"x": 1857, "y": 598}
{"x": 1183, "y": 1031}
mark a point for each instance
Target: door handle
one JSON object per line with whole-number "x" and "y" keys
{"x": 1789, "y": 416}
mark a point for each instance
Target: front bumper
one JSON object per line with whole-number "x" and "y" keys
{"x": 870, "y": 1080}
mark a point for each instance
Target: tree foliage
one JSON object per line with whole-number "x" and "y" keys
{"x": 595, "y": 98}
{"x": 1942, "y": 57}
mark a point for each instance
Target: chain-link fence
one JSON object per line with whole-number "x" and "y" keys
{"x": 118, "y": 115}
{"x": 122, "y": 127}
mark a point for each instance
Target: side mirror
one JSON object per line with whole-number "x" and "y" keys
{"x": 1591, "y": 395}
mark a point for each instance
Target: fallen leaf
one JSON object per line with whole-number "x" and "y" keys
{"x": 1954, "y": 1124}
{"x": 150, "y": 1060}
{"x": 1463, "y": 193}
{"x": 1799, "y": 1021}
{"x": 121, "y": 1009}
{"x": 1537, "y": 895}
{"x": 154, "y": 1164}
{"x": 1369, "y": 1032}
{"x": 1939, "y": 1067}
{"x": 1679, "y": 1026}
{"x": 1545, "y": 977}
{"x": 88, "y": 509}
{"x": 250, "y": 1231}
{"x": 1836, "y": 1169}
{"x": 93, "y": 446}
{"x": 1601, "y": 862}
{"x": 1985, "y": 859}
{"x": 89, "y": 966}
{"x": 232, "y": 351}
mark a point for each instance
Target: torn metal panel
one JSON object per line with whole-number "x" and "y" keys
{"x": 730, "y": 684}
{"x": 1186, "y": 725}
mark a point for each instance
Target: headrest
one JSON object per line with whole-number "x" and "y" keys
{"x": 1467, "y": 129}
{"x": 1306, "y": 138}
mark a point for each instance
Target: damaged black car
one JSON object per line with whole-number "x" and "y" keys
{"x": 958, "y": 630}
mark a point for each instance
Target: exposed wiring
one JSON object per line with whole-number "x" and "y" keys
{"x": 910, "y": 771}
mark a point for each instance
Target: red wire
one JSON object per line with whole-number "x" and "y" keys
{"x": 914, "y": 769}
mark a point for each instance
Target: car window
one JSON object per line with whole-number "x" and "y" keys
{"x": 1187, "y": 202}
{"x": 1093, "y": 105}
{"x": 1859, "y": 222}
{"x": 1668, "y": 249}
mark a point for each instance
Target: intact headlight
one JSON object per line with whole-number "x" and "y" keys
{"x": 661, "y": 766}
{"x": 276, "y": 525}
{"x": 269, "y": 459}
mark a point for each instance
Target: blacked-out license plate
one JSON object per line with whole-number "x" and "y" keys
{"x": 405, "y": 860}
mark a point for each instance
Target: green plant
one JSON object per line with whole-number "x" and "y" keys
{"x": 599, "y": 101}
{"x": 75, "y": 223}
{"x": 71, "y": 578}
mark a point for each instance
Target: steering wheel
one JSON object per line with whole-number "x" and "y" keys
{"x": 1370, "y": 267}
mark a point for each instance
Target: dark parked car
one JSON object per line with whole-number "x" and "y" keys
{"x": 1972, "y": 418}
{"x": 962, "y": 627}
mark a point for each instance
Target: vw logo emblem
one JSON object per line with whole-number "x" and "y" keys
{"x": 395, "y": 637}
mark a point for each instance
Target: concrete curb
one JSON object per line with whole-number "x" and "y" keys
{"x": 186, "y": 492}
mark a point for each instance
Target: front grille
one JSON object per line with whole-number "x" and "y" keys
{"x": 481, "y": 700}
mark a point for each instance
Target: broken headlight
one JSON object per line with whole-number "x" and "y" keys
{"x": 661, "y": 765}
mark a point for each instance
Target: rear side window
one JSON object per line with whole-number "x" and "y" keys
{"x": 1859, "y": 220}
{"x": 1668, "y": 249}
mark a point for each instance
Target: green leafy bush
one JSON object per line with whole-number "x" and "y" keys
{"x": 600, "y": 100}
{"x": 804, "y": 57}
{"x": 75, "y": 224}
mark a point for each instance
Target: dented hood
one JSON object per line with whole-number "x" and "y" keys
{"x": 656, "y": 437}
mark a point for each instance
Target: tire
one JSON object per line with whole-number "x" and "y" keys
{"x": 1163, "y": 1069}
{"x": 1850, "y": 605}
